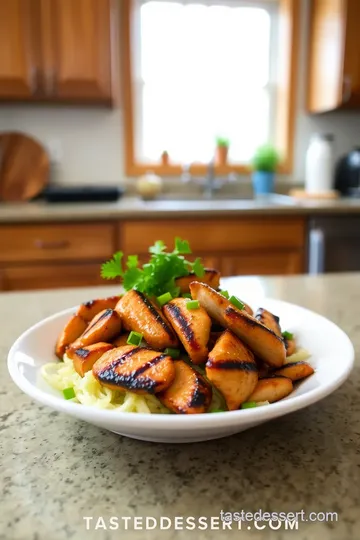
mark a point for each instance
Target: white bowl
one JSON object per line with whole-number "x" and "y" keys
{"x": 332, "y": 358}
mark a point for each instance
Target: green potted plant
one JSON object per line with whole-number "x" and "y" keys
{"x": 222, "y": 149}
{"x": 264, "y": 164}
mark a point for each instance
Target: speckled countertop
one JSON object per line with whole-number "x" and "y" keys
{"x": 135, "y": 208}
{"x": 55, "y": 469}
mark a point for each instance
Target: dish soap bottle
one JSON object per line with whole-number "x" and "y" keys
{"x": 319, "y": 165}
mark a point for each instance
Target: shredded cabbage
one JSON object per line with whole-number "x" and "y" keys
{"x": 300, "y": 355}
{"x": 88, "y": 391}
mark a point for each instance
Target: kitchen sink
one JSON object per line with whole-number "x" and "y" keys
{"x": 273, "y": 199}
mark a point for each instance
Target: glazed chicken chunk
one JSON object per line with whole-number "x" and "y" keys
{"x": 88, "y": 310}
{"x": 211, "y": 278}
{"x": 192, "y": 327}
{"x": 261, "y": 340}
{"x": 269, "y": 320}
{"x": 231, "y": 367}
{"x": 103, "y": 327}
{"x": 138, "y": 369}
{"x": 189, "y": 392}
{"x": 73, "y": 329}
{"x": 142, "y": 315}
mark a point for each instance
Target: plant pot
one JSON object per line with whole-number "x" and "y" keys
{"x": 165, "y": 159}
{"x": 222, "y": 155}
{"x": 263, "y": 183}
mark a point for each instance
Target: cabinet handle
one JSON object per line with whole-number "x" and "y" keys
{"x": 347, "y": 89}
{"x": 59, "y": 244}
{"x": 50, "y": 82}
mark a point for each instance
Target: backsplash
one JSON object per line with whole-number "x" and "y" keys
{"x": 90, "y": 140}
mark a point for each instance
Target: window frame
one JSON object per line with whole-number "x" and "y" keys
{"x": 288, "y": 34}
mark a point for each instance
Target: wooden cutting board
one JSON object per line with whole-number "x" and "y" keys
{"x": 24, "y": 167}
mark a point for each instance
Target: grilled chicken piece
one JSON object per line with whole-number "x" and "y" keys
{"x": 138, "y": 369}
{"x": 211, "y": 277}
{"x": 88, "y": 310}
{"x": 142, "y": 315}
{"x": 295, "y": 370}
{"x": 85, "y": 358}
{"x": 269, "y": 320}
{"x": 248, "y": 309}
{"x": 189, "y": 392}
{"x": 231, "y": 367}
{"x": 192, "y": 327}
{"x": 103, "y": 328}
{"x": 263, "y": 342}
{"x": 271, "y": 389}
{"x": 73, "y": 329}
{"x": 121, "y": 340}
{"x": 290, "y": 346}
{"x": 263, "y": 368}
{"x": 214, "y": 336}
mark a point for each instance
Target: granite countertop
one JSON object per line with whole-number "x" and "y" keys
{"x": 55, "y": 469}
{"x": 136, "y": 208}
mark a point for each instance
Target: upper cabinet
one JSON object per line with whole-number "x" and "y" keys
{"x": 76, "y": 48}
{"x": 56, "y": 50}
{"x": 18, "y": 53}
{"x": 334, "y": 55}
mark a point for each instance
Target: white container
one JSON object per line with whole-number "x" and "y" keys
{"x": 319, "y": 176}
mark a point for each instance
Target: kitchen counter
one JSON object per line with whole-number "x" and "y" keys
{"x": 133, "y": 207}
{"x": 55, "y": 469}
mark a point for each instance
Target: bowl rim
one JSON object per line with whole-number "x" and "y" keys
{"x": 158, "y": 421}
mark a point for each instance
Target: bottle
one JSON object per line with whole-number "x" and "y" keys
{"x": 319, "y": 164}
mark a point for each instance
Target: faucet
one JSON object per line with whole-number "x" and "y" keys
{"x": 210, "y": 183}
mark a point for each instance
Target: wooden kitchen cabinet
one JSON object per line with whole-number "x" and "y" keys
{"x": 50, "y": 276}
{"x": 54, "y": 255}
{"x": 76, "y": 41}
{"x": 334, "y": 55}
{"x": 249, "y": 246}
{"x": 19, "y": 61}
{"x": 56, "y": 50}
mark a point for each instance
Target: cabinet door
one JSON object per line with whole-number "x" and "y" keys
{"x": 351, "y": 70}
{"x": 263, "y": 263}
{"x": 77, "y": 49}
{"x": 18, "y": 51}
{"x": 50, "y": 276}
{"x": 334, "y": 55}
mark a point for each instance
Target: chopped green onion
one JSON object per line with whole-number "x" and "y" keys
{"x": 174, "y": 353}
{"x": 193, "y": 304}
{"x": 164, "y": 298}
{"x": 224, "y": 293}
{"x": 236, "y": 302}
{"x": 287, "y": 335}
{"x": 217, "y": 410}
{"x": 134, "y": 338}
{"x": 249, "y": 405}
{"x": 69, "y": 393}
{"x": 187, "y": 295}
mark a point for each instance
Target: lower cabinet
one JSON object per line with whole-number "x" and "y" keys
{"x": 55, "y": 255}
{"x": 50, "y": 276}
{"x": 245, "y": 246}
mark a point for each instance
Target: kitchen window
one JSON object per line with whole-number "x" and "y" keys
{"x": 198, "y": 70}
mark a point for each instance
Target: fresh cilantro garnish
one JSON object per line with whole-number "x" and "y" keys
{"x": 157, "y": 276}
{"x": 198, "y": 268}
{"x": 287, "y": 335}
{"x": 113, "y": 268}
{"x": 182, "y": 247}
